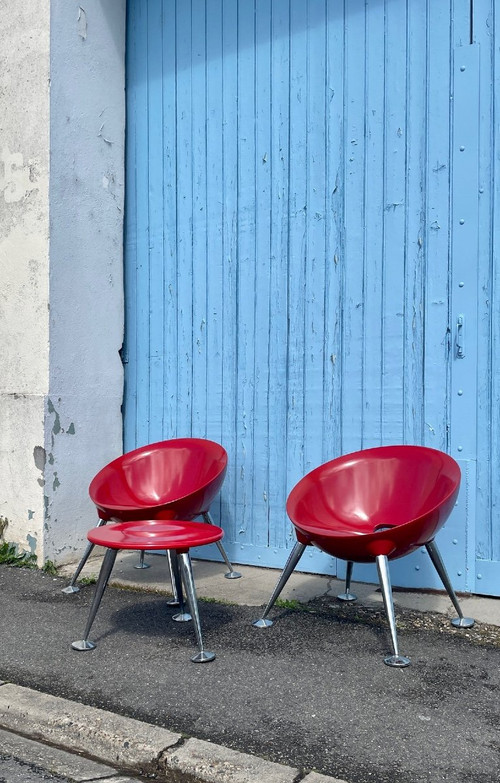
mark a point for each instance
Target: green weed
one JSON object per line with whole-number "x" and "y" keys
{"x": 50, "y": 568}
{"x": 11, "y": 557}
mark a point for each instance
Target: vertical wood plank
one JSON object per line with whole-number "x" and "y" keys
{"x": 229, "y": 259}
{"x": 155, "y": 157}
{"x": 436, "y": 237}
{"x": 373, "y": 250}
{"x": 202, "y": 319}
{"x": 171, "y": 391}
{"x": 184, "y": 194}
{"x": 353, "y": 293}
{"x": 280, "y": 162}
{"x": 395, "y": 146}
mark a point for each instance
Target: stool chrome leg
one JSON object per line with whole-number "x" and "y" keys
{"x": 104, "y": 574}
{"x": 348, "y": 596}
{"x": 141, "y": 563}
{"x": 290, "y": 564}
{"x": 231, "y": 574}
{"x": 437, "y": 561}
{"x": 203, "y": 656}
{"x": 73, "y": 587}
{"x": 174, "y": 601}
{"x": 385, "y": 583}
{"x": 182, "y": 616}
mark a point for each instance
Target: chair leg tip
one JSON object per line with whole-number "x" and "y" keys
{"x": 347, "y": 597}
{"x": 462, "y": 622}
{"x": 397, "y": 661}
{"x": 70, "y": 589}
{"x": 83, "y": 644}
{"x": 204, "y": 656}
{"x": 262, "y": 623}
{"x": 182, "y": 617}
{"x": 233, "y": 575}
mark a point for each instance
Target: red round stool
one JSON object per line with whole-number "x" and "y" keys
{"x": 175, "y": 536}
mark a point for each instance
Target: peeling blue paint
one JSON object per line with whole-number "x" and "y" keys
{"x": 32, "y": 542}
{"x": 31, "y": 514}
{"x": 56, "y": 427}
{"x": 40, "y": 457}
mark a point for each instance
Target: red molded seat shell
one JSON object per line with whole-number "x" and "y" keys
{"x": 166, "y": 480}
{"x": 342, "y": 505}
{"x": 155, "y": 534}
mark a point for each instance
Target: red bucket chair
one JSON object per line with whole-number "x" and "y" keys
{"x": 375, "y": 505}
{"x": 172, "y": 479}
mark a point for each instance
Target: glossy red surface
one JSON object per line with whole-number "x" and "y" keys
{"x": 342, "y": 505}
{"x": 155, "y": 534}
{"x": 171, "y": 479}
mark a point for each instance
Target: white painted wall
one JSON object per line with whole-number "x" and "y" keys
{"x": 87, "y": 111}
{"x": 62, "y": 391}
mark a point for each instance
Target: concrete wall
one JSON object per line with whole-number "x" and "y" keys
{"x": 60, "y": 404}
{"x": 24, "y": 265}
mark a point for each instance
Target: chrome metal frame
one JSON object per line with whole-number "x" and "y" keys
{"x": 183, "y": 575}
{"x": 292, "y": 561}
{"x": 231, "y": 574}
{"x": 348, "y": 596}
{"x": 437, "y": 562}
{"x": 73, "y": 587}
{"x": 141, "y": 564}
{"x": 397, "y": 660}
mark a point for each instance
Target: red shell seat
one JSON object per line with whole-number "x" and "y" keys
{"x": 176, "y": 478}
{"x": 383, "y": 501}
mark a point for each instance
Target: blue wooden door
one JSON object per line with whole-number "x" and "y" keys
{"x": 296, "y": 264}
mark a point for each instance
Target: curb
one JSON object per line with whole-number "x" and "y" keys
{"x": 134, "y": 745}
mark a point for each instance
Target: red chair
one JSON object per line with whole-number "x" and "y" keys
{"x": 375, "y": 505}
{"x": 174, "y": 535}
{"x": 172, "y": 479}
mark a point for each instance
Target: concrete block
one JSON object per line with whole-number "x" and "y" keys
{"x": 315, "y": 777}
{"x": 58, "y": 762}
{"x": 211, "y": 763}
{"x": 114, "y": 739}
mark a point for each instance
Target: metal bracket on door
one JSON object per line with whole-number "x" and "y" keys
{"x": 460, "y": 340}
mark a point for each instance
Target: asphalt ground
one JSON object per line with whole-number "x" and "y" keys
{"x": 311, "y": 692}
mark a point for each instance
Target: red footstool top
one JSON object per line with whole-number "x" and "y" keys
{"x": 155, "y": 534}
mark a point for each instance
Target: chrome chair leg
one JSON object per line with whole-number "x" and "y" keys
{"x": 437, "y": 561}
{"x": 141, "y": 563}
{"x": 174, "y": 601}
{"x": 203, "y": 656}
{"x": 182, "y": 616}
{"x": 385, "y": 583}
{"x": 290, "y": 564}
{"x": 231, "y": 574}
{"x": 73, "y": 587}
{"x": 104, "y": 574}
{"x": 348, "y": 596}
